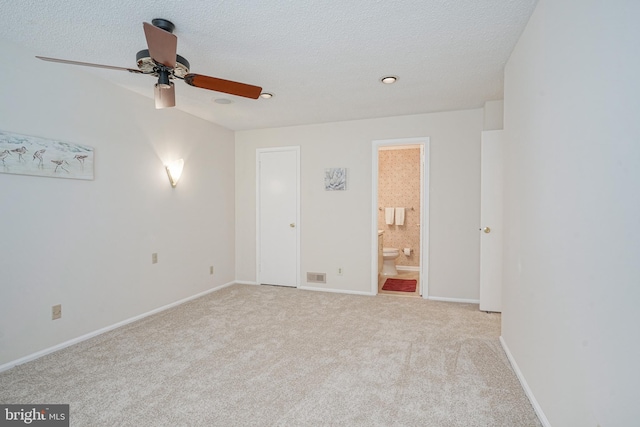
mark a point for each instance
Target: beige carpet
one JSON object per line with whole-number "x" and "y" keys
{"x": 268, "y": 356}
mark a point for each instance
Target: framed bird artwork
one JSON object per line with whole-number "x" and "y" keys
{"x": 32, "y": 155}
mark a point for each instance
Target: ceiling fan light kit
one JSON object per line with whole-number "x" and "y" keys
{"x": 162, "y": 61}
{"x": 165, "y": 95}
{"x": 163, "y": 78}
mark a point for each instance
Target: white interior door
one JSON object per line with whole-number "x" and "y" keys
{"x": 278, "y": 216}
{"x": 491, "y": 221}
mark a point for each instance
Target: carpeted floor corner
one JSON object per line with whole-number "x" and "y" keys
{"x": 270, "y": 356}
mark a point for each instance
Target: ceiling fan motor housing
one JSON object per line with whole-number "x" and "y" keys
{"x": 147, "y": 65}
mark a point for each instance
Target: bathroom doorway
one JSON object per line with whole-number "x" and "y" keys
{"x": 400, "y": 217}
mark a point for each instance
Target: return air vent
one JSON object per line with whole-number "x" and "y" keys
{"x": 317, "y": 277}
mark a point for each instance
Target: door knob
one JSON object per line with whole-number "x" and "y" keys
{"x": 487, "y": 230}
{"x": 292, "y": 225}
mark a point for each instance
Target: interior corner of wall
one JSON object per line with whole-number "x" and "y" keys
{"x": 493, "y": 115}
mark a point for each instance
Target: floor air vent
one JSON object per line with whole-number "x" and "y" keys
{"x": 317, "y": 277}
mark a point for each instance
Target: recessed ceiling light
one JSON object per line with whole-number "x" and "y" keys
{"x": 223, "y": 101}
{"x": 266, "y": 95}
{"x": 389, "y": 79}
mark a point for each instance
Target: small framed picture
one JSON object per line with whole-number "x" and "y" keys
{"x": 335, "y": 179}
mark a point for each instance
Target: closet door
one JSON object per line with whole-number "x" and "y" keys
{"x": 278, "y": 190}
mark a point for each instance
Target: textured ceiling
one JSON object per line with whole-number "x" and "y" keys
{"x": 321, "y": 58}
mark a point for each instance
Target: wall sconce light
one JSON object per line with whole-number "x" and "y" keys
{"x": 174, "y": 170}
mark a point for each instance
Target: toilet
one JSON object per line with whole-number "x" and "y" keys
{"x": 389, "y": 256}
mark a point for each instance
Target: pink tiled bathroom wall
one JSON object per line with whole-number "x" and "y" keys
{"x": 399, "y": 186}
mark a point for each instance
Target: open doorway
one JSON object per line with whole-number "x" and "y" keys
{"x": 400, "y": 217}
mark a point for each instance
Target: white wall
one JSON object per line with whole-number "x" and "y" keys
{"x": 572, "y": 211}
{"x": 87, "y": 244}
{"x": 494, "y": 115}
{"x": 336, "y": 226}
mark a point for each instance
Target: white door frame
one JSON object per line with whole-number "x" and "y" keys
{"x": 298, "y": 225}
{"x": 424, "y": 209}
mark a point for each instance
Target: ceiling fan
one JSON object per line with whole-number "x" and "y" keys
{"x": 162, "y": 61}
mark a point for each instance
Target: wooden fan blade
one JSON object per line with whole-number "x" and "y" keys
{"x": 165, "y": 96}
{"x": 221, "y": 85}
{"x": 163, "y": 45}
{"x": 89, "y": 64}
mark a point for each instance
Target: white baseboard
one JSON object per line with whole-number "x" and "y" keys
{"x": 85, "y": 337}
{"x": 314, "y": 288}
{"x": 337, "y": 291}
{"x": 407, "y": 268}
{"x": 462, "y": 300}
{"x": 245, "y": 282}
{"x": 536, "y": 406}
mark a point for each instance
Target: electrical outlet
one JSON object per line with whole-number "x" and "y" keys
{"x": 340, "y": 271}
{"x": 56, "y": 312}
{"x": 211, "y": 270}
{"x": 154, "y": 258}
